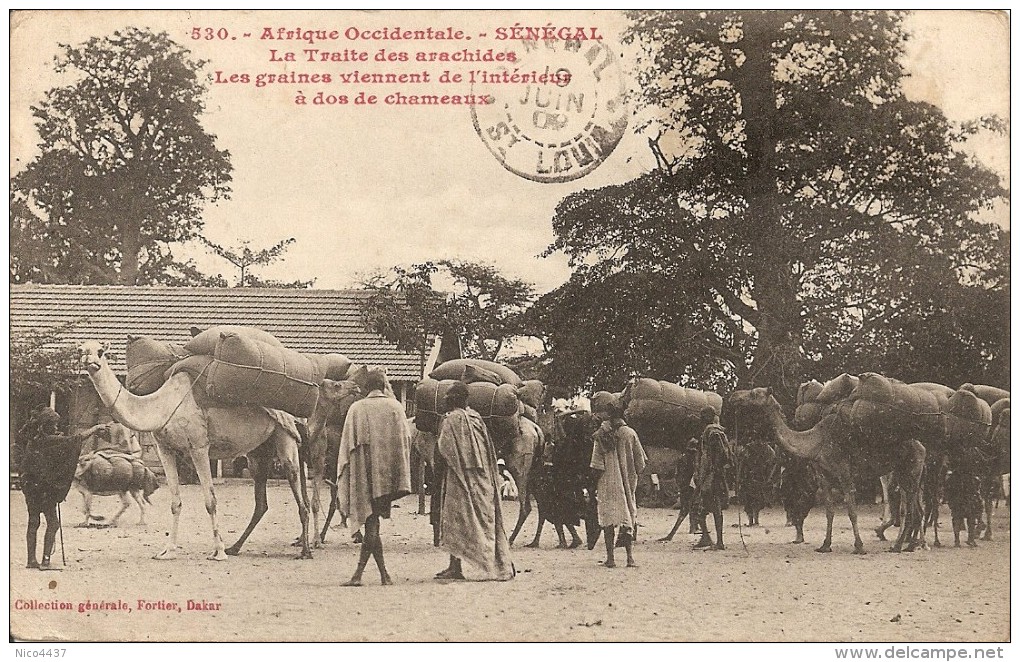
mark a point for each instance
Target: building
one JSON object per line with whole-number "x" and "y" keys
{"x": 306, "y": 320}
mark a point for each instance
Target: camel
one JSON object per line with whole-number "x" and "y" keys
{"x": 834, "y": 452}
{"x": 519, "y": 455}
{"x": 325, "y": 426}
{"x": 687, "y": 467}
{"x": 560, "y": 483}
{"x": 183, "y": 419}
{"x": 120, "y": 437}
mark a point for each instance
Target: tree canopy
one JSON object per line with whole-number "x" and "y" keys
{"x": 482, "y": 307}
{"x": 125, "y": 167}
{"x": 244, "y": 258}
{"x": 801, "y": 208}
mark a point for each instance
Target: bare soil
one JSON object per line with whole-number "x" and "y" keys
{"x": 761, "y": 588}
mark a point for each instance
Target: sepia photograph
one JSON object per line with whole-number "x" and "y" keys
{"x": 642, "y": 326}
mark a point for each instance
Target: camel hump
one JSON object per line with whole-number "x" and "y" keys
{"x": 456, "y": 368}
{"x": 839, "y": 388}
{"x": 808, "y": 392}
{"x": 205, "y": 342}
{"x": 989, "y": 394}
{"x": 969, "y": 407}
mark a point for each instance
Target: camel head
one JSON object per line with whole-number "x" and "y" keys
{"x": 755, "y": 400}
{"x": 94, "y": 355}
{"x": 335, "y": 391}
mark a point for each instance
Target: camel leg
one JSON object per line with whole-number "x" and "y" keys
{"x": 830, "y": 514}
{"x": 332, "y": 511}
{"x": 519, "y": 470}
{"x": 850, "y": 493}
{"x": 562, "y": 544}
{"x": 139, "y": 497}
{"x": 799, "y": 524}
{"x": 317, "y": 508}
{"x": 200, "y": 457}
{"x": 680, "y": 516}
{"x": 990, "y": 481}
{"x": 125, "y": 503}
{"x": 575, "y": 540}
{"x": 315, "y": 456}
{"x": 86, "y": 496}
{"x": 538, "y": 533}
{"x": 332, "y": 456}
{"x": 421, "y": 485}
{"x": 887, "y": 515}
{"x": 705, "y": 542}
{"x": 287, "y": 451}
{"x": 972, "y": 532}
{"x": 260, "y": 474}
{"x": 173, "y": 480}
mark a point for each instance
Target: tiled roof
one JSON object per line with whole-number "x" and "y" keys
{"x": 312, "y": 321}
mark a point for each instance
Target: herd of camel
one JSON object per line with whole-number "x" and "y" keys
{"x": 186, "y": 423}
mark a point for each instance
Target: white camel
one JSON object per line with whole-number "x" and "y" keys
{"x": 184, "y": 420}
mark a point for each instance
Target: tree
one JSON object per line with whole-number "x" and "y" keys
{"x": 404, "y": 309}
{"x": 483, "y": 308}
{"x": 599, "y": 329}
{"x": 795, "y": 185}
{"x": 42, "y": 361}
{"x": 244, "y": 258}
{"x": 125, "y": 167}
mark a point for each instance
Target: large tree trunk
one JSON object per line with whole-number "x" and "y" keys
{"x": 777, "y": 359}
{"x": 130, "y": 245}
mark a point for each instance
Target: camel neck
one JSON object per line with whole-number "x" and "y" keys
{"x": 142, "y": 413}
{"x": 800, "y": 444}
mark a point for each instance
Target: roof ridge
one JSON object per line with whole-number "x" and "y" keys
{"x": 241, "y": 290}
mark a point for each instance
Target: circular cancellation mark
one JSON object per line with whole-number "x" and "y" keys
{"x": 558, "y": 112}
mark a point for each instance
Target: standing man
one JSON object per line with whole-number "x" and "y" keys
{"x": 616, "y": 460}
{"x": 757, "y": 465}
{"x": 47, "y": 470}
{"x": 471, "y": 522}
{"x": 374, "y": 467}
{"x": 712, "y": 488}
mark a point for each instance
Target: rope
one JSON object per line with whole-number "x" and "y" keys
{"x": 117, "y": 397}
{"x": 193, "y": 382}
{"x": 267, "y": 371}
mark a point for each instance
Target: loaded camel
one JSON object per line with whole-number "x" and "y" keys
{"x": 320, "y": 454}
{"x": 559, "y": 485}
{"x": 519, "y": 455}
{"x": 835, "y": 453}
{"x": 137, "y": 484}
{"x": 815, "y": 401}
{"x": 183, "y": 419}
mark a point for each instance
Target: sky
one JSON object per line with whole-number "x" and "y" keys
{"x": 364, "y": 188}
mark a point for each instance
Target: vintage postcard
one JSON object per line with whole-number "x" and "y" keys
{"x": 697, "y": 272}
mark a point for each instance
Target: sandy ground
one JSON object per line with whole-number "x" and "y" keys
{"x": 770, "y": 591}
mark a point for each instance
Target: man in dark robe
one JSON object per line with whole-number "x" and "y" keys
{"x": 47, "y": 470}
{"x": 757, "y": 465}
{"x": 715, "y": 457}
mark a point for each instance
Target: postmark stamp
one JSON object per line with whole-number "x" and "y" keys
{"x": 558, "y": 112}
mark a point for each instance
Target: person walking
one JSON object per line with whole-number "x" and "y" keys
{"x": 617, "y": 459}
{"x": 373, "y": 468}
